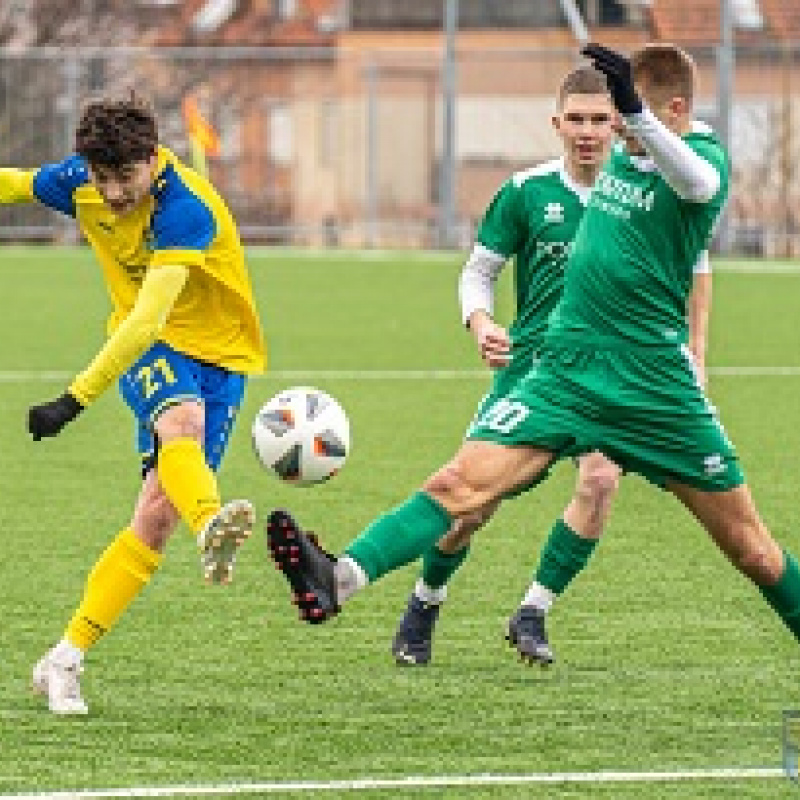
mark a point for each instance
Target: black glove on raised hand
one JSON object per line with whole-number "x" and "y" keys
{"x": 49, "y": 418}
{"x": 619, "y": 76}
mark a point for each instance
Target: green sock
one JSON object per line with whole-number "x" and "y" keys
{"x": 439, "y": 567}
{"x": 564, "y": 555}
{"x": 784, "y": 596}
{"x": 400, "y": 536}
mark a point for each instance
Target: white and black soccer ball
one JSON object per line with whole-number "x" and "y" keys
{"x": 302, "y": 435}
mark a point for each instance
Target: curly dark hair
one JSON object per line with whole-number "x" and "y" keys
{"x": 115, "y": 131}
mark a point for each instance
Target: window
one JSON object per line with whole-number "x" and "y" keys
{"x": 230, "y": 139}
{"x": 427, "y": 14}
{"x": 279, "y": 130}
{"x": 287, "y": 9}
{"x": 603, "y": 12}
{"x": 747, "y": 14}
{"x": 327, "y": 133}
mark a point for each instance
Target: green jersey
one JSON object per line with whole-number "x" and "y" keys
{"x": 631, "y": 266}
{"x": 534, "y": 217}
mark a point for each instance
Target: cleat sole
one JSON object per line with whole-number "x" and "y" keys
{"x": 231, "y": 528}
{"x": 282, "y": 540}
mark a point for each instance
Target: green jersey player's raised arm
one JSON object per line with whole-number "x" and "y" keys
{"x": 533, "y": 219}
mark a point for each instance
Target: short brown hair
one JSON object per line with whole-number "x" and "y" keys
{"x": 665, "y": 70}
{"x": 114, "y": 131}
{"x": 583, "y": 80}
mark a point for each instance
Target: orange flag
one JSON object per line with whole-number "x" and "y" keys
{"x": 203, "y": 137}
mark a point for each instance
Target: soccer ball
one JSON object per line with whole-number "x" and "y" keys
{"x": 302, "y": 435}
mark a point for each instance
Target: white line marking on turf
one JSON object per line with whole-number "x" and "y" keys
{"x": 362, "y": 784}
{"x": 322, "y": 254}
{"x": 32, "y": 376}
{"x": 745, "y": 266}
{"x": 754, "y": 266}
{"x": 47, "y": 376}
{"x": 757, "y": 371}
{"x": 757, "y": 267}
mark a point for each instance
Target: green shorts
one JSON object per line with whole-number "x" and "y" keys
{"x": 523, "y": 358}
{"x": 641, "y": 407}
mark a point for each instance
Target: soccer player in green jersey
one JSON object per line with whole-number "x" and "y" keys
{"x": 614, "y": 373}
{"x": 533, "y": 218}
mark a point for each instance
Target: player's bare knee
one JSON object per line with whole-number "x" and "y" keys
{"x": 598, "y": 483}
{"x": 755, "y": 563}
{"x": 756, "y": 555}
{"x": 462, "y": 496}
{"x": 182, "y": 421}
{"x": 446, "y": 485}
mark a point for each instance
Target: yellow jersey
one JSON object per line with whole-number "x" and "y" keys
{"x": 183, "y": 222}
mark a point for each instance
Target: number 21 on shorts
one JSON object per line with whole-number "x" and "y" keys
{"x": 504, "y": 416}
{"x": 153, "y": 376}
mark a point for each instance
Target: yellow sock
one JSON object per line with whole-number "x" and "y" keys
{"x": 118, "y": 576}
{"x": 189, "y": 482}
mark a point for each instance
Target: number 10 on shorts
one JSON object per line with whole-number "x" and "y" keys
{"x": 503, "y": 416}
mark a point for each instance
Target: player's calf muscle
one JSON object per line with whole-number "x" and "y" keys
{"x": 154, "y": 518}
{"x": 598, "y": 482}
{"x": 463, "y": 528}
{"x": 733, "y": 522}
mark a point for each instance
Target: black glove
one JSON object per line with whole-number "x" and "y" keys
{"x": 619, "y": 76}
{"x": 49, "y": 418}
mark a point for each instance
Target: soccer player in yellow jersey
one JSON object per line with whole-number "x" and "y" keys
{"x": 183, "y": 336}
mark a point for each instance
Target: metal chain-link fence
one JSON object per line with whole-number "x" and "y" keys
{"x": 344, "y": 146}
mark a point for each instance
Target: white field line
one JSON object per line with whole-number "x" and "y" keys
{"x": 47, "y": 376}
{"x": 745, "y": 266}
{"x": 416, "y": 782}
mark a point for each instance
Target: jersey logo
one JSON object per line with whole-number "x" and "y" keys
{"x": 106, "y": 226}
{"x": 556, "y": 251}
{"x": 554, "y": 212}
{"x": 714, "y": 464}
{"x": 624, "y": 193}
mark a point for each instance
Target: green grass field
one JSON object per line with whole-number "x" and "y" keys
{"x": 668, "y": 660}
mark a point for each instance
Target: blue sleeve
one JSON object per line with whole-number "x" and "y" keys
{"x": 185, "y": 224}
{"x": 54, "y": 184}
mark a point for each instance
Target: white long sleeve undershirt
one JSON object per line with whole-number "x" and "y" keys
{"x": 703, "y": 265}
{"x": 477, "y": 281}
{"x": 688, "y": 174}
{"x": 479, "y": 276}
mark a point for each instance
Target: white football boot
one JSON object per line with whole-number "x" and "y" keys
{"x": 221, "y": 538}
{"x": 60, "y": 682}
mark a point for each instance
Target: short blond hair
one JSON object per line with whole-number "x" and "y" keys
{"x": 583, "y": 80}
{"x": 665, "y": 70}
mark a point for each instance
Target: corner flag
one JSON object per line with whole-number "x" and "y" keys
{"x": 202, "y": 136}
